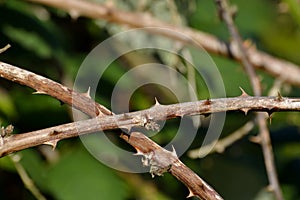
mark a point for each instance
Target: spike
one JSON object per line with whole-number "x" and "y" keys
{"x": 52, "y": 143}
{"x": 87, "y": 93}
{"x": 191, "y": 194}
{"x": 244, "y": 94}
{"x": 279, "y": 97}
{"x": 156, "y": 102}
{"x": 245, "y": 110}
{"x": 270, "y": 120}
{"x": 270, "y": 112}
{"x": 74, "y": 14}
{"x": 138, "y": 153}
{"x": 126, "y": 129}
{"x": 174, "y": 152}
{"x": 39, "y": 92}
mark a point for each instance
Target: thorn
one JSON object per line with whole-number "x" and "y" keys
{"x": 270, "y": 120}
{"x": 39, "y": 92}
{"x": 156, "y": 102}
{"x": 244, "y": 94}
{"x": 270, "y": 112}
{"x": 245, "y": 110}
{"x": 126, "y": 129}
{"x": 52, "y": 143}
{"x": 174, "y": 152}
{"x": 74, "y": 14}
{"x": 279, "y": 97}
{"x": 191, "y": 194}
{"x": 87, "y": 93}
{"x": 138, "y": 153}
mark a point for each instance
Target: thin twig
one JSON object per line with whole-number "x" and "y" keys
{"x": 28, "y": 182}
{"x": 144, "y": 146}
{"x": 281, "y": 69}
{"x": 265, "y": 141}
{"x": 4, "y": 48}
{"x": 220, "y": 145}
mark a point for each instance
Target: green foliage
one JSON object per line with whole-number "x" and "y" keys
{"x": 75, "y": 176}
{"x": 49, "y": 42}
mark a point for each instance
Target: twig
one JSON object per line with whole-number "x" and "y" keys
{"x": 4, "y": 48}
{"x": 220, "y": 145}
{"x": 28, "y": 182}
{"x": 281, "y": 69}
{"x": 264, "y": 135}
{"x": 154, "y": 154}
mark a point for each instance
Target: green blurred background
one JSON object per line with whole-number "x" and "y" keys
{"x": 49, "y": 42}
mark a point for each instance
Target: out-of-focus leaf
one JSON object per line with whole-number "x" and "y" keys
{"x": 29, "y": 40}
{"x": 6, "y": 104}
{"x": 34, "y": 166}
{"x": 6, "y": 163}
{"x": 294, "y": 8}
{"x": 289, "y": 193}
{"x": 289, "y": 151}
{"x": 79, "y": 176}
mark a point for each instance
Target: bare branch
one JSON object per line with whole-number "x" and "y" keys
{"x": 142, "y": 118}
{"x": 264, "y": 135}
{"x": 284, "y": 70}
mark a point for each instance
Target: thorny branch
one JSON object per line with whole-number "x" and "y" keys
{"x": 143, "y": 145}
{"x": 281, "y": 69}
{"x": 142, "y": 118}
{"x": 264, "y": 135}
